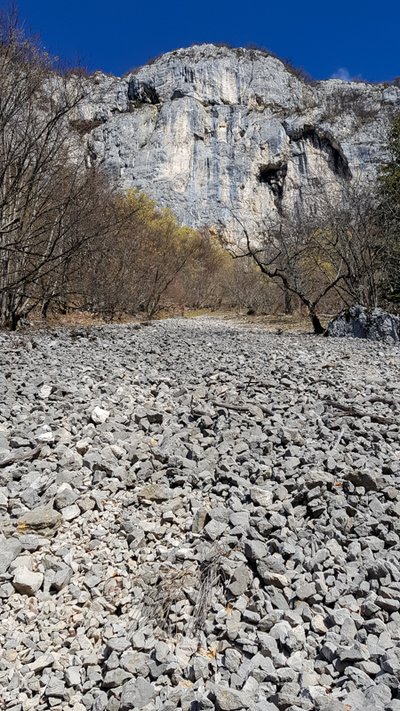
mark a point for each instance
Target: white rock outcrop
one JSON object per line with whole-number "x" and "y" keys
{"x": 214, "y": 132}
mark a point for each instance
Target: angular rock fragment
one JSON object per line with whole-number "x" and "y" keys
{"x": 99, "y": 416}
{"x": 9, "y": 550}
{"x": 27, "y": 582}
{"x": 136, "y": 694}
{"x": 43, "y": 519}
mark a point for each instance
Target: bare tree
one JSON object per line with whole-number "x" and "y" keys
{"x": 311, "y": 253}
{"x": 389, "y": 210}
{"x": 44, "y": 188}
{"x": 86, "y": 222}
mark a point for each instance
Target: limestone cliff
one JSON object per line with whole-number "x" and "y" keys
{"x": 210, "y": 130}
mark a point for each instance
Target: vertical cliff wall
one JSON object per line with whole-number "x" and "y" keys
{"x": 210, "y": 131}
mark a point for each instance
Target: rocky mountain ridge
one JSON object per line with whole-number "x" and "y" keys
{"x": 218, "y": 134}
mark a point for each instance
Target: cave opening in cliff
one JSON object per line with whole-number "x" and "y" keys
{"x": 323, "y": 142}
{"x": 142, "y": 93}
{"x": 273, "y": 176}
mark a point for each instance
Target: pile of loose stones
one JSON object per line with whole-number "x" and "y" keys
{"x": 196, "y": 514}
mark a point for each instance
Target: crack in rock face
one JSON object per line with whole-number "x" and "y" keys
{"x": 194, "y": 128}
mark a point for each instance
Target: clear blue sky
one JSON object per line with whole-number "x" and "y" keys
{"x": 356, "y": 38}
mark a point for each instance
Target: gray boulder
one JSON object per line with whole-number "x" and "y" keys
{"x": 9, "y": 550}
{"x": 27, "y": 582}
{"x": 136, "y": 694}
{"x": 360, "y": 322}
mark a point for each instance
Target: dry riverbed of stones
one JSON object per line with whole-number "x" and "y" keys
{"x": 196, "y": 515}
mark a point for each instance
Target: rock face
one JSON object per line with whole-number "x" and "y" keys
{"x": 208, "y": 131}
{"x": 375, "y": 325}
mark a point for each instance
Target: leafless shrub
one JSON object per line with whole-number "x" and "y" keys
{"x": 165, "y": 596}
{"x": 210, "y": 576}
{"x": 171, "y": 597}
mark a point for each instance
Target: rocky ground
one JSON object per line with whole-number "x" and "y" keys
{"x": 197, "y": 524}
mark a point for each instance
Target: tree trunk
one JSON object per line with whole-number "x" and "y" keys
{"x": 45, "y": 308}
{"x": 288, "y": 297}
{"x": 15, "y": 319}
{"x": 9, "y": 317}
{"x": 319, "y": 330}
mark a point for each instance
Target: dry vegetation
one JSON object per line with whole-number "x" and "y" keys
{"x": 70, "y": 245}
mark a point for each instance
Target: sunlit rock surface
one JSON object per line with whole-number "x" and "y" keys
{"x": 221, "y": 135}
